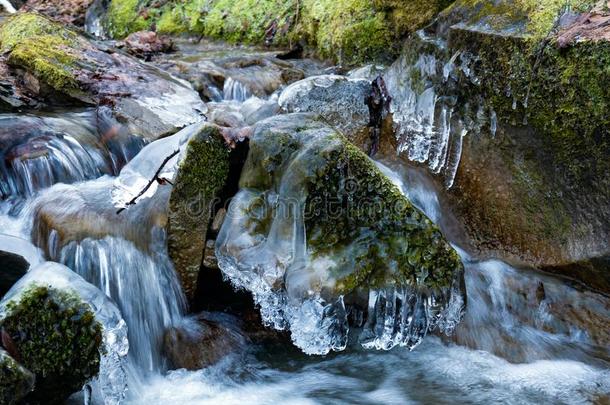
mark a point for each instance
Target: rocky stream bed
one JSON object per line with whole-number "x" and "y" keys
{"x": 313, "y": 202}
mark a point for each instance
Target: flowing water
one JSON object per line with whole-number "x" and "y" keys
{"x": 526, "y": 337}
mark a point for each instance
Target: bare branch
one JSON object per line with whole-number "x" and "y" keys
{"x": 155, "y": 178}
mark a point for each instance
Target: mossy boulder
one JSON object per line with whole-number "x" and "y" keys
{"x": 526, "y": 148}
{"x": 56, "y": 65}
{"x": 349, "y": 31}
{"x": 15, "y": 380}
{"x": 202, "y": 173}
{"x": 315, "y": 221}
{"x": 57, "y": 338}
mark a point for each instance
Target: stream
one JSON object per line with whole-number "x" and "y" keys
{"x": 527, "y": 337}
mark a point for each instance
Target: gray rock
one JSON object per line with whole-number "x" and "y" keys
{"x": 341, "y": 102}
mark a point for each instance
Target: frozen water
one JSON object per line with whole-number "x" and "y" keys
{"x": 136, "y": 175}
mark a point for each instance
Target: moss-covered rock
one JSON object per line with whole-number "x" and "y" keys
{"x": 315, "y": 221}
{"x": 42, "y": 47}
{"x": 15, "y": 380}
{"x": 202, "y": 173}
{"x": 53, "y": 64}
{"x": 526, "y": 148}
{"x": 354, "y": 216}
{"x": 350, "y": 31}
{"x": 57, "y": 337}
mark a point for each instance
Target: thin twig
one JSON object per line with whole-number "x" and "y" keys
{"x": 150, "y": 182}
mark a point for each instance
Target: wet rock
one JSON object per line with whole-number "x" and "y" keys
{"x": 56, "y": 335}
{"x": 235, "y": 78}
{"x": 202, "y": 173}
{"x": 314, "y": 221}
{"x": 203, "y": 340}
{"x": 15, "y": 381}
{"x": 340, "y": 101}
{"x": 209, "y": 255}
{"x": 511, "y": 127}
{"x": 65, "y": 11}
{"x": 12, "y": 268}
{"x": 144, "y": 44}
{"x": 65, "y": 67}
{"x": 589, "y": 26}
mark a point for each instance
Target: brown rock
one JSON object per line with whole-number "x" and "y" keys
{"x": 203, "y": 340}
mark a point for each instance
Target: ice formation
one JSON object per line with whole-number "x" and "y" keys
{"x": 301, "y": 260}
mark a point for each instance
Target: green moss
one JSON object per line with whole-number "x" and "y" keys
{"x": 41, "y": 46}
{"x": 354, "y": 216}
{"x": 123, "y": 18}
{"x": 350, "y": 31}
{"x": 57, "y": 337}
{"x": 15, "y": 381}
{"x": 377, "y": 223}
{"x": 537, "y": 17}
{"x": 202, "y": 175}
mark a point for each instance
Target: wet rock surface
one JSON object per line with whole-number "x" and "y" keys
{"x": 51, "y": 60}
{"x": 339, "y": 101}
{"x": 233, "y": 77}
{"x": 521, "y": 155}
{"x": 12, "y": 268}
{"x": 144, "y": 44}
{"x": 202, "y": 174}
{"x": 203, "y": 340}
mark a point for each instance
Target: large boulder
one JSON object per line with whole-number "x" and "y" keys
{"x": 316, "y": 221}
{"x": 515, "y": 130}
{"x": 15, "y": 380}
{"x": 62, "y": 329}
{"x": 202, "y": 173}
{"x": 54, "y": 64}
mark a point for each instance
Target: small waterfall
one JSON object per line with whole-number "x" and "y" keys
{"x": 52, "y": 150}
{"x": 520, "y": 315}
{"x": 235, "y": 90}
{"x": 8, "y": 6}
{"x": 144, "y": 287}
